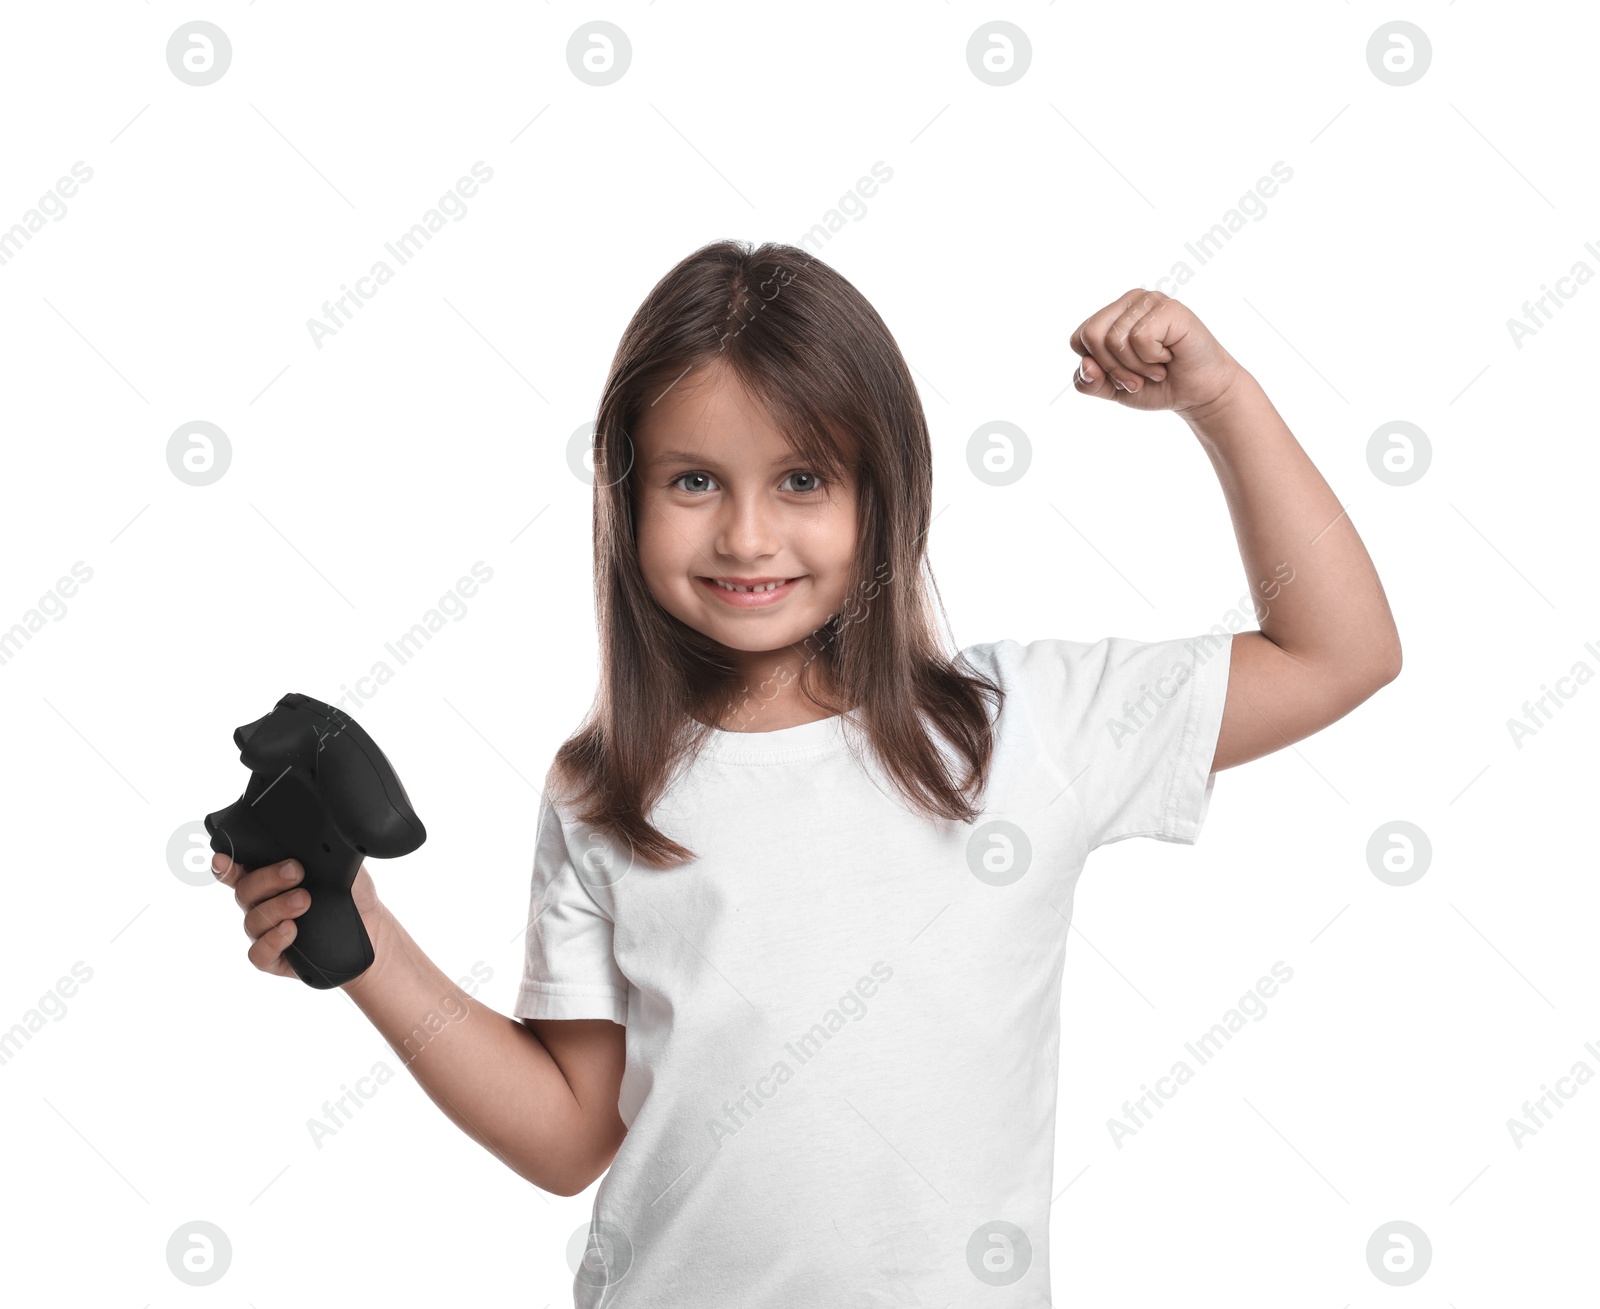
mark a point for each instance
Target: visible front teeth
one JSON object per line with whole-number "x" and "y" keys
{"x": 770, "y": 586}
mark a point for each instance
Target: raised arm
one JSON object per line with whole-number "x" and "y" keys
{"x": 1327, "y": 640}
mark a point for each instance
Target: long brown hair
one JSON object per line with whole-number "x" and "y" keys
{"x": 800, "y": 338}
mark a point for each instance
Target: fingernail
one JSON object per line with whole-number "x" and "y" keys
{"x": 1118, "y": 384}
{"x": 217, "y": 862}
{"x": 290, "y": 871}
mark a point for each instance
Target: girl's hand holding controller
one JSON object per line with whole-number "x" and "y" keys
{"x": 272, "y": 898}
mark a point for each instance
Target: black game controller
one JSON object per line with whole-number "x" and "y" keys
{"x": 322, "y": 793}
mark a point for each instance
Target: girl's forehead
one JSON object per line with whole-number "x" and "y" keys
{"x": 701, "y": 401}
{"x": 711, "y": 427}
{"x": 708, "y": 416}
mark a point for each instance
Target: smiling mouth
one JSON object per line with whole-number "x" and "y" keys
{"x": 753, "y": 594}
{"x": 749, "y": 588}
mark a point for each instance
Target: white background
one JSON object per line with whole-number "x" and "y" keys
{"x": 366, "y": 476}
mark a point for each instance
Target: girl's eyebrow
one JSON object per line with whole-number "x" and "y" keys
{"x": 686, "y": 457}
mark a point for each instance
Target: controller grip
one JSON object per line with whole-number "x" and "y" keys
{"x": 331, "y": 945}
{"x": 281, "y": 820}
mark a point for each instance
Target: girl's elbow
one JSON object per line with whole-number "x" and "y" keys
{"x": 1389, "y": 667}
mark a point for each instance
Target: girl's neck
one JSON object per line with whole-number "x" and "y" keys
{"x": 753, "y": 711}
{"x": 772, "y": 716}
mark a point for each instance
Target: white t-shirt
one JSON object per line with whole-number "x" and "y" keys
{"x": 843, "y": 1017}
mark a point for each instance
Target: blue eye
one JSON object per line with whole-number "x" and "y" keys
{"x": 681, "y": 476}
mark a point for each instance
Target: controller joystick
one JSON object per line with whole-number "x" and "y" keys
{"x": 322, "y": 793}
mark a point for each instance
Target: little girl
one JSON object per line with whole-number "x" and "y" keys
{"x": 802, "y": 879}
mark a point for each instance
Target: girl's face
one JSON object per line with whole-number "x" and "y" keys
{"x": 721, "y": 497}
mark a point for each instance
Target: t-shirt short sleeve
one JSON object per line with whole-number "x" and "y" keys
{"x": 569, "y": 970}
{"x": 1134, "y": 725}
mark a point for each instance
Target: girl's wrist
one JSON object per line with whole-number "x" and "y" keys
{"x": 388, "y": 942}
{"x": 1216, "y": 419}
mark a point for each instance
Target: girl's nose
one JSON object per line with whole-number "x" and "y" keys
{"x": 746, "y": 530}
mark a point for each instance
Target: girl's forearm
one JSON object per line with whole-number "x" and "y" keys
{"x": 1303, "y": 558}
{"x": 489, "y": 1073}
